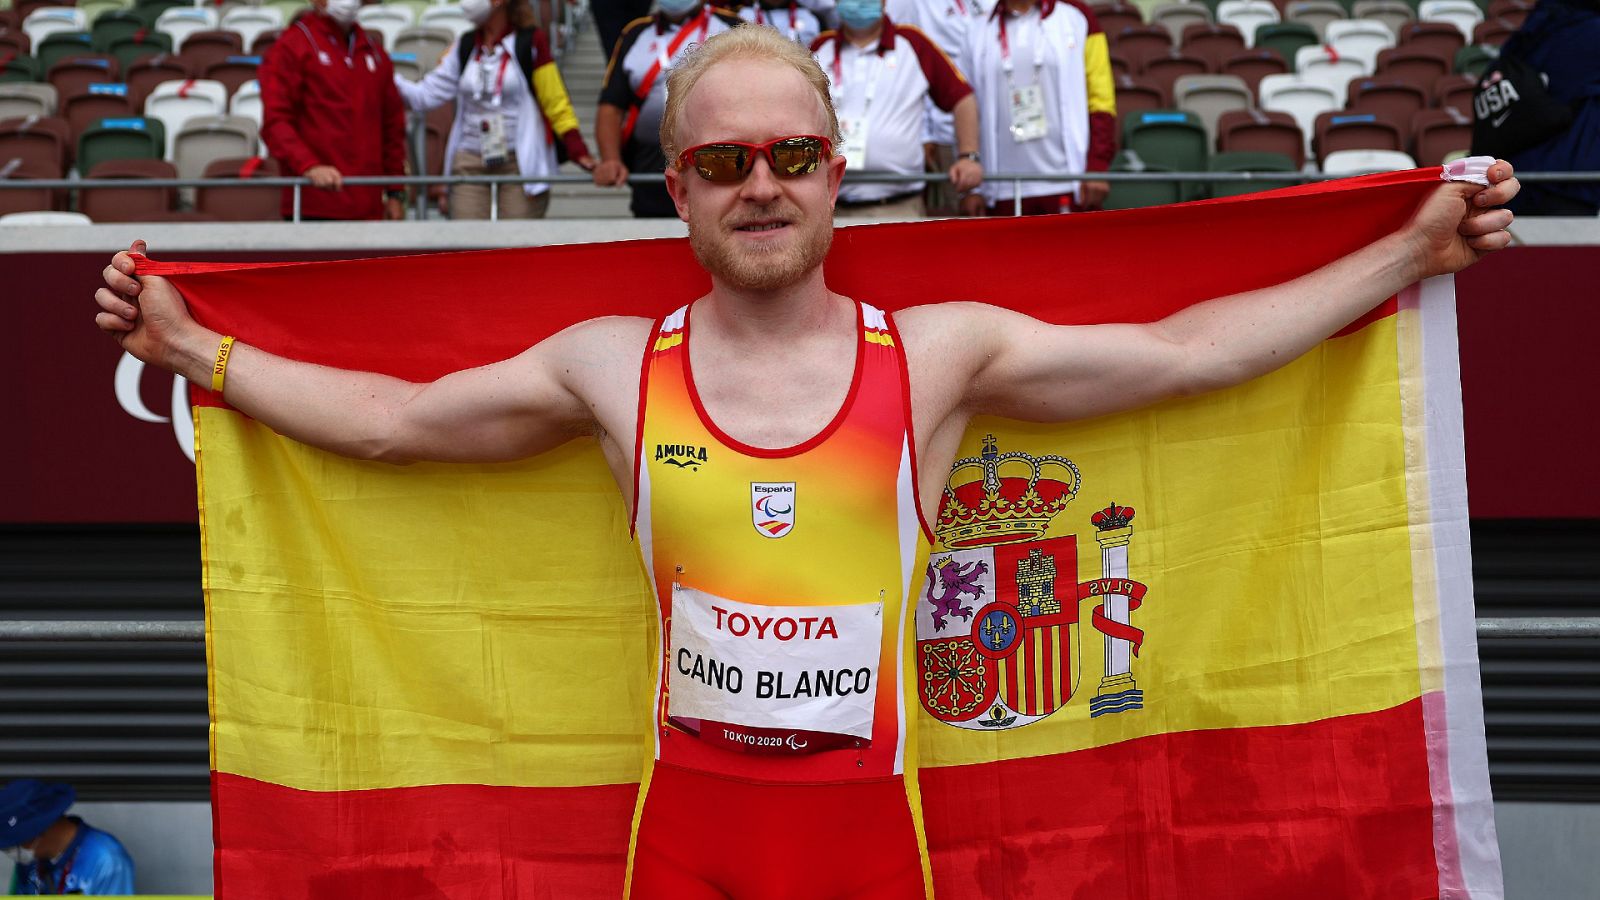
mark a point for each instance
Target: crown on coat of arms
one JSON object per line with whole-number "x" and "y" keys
{"x": 1003, "y": 498}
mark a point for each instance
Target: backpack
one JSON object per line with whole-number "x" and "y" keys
{"x": 524, "y": 54}
{"x": 1512, "y": 109}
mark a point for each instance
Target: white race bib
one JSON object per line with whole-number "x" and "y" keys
{"x": 810, "y": 669}
{"x": 1028, "y": 121}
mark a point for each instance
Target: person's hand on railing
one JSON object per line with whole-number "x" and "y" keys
{"x": 610, "y": 173}
{"x": 585, "y": 163}
{"x": 1092, "y": 194}
{"x": 325, "y": 177}
{"x": 973, "y": 205}
{"x": 966, "y": 175}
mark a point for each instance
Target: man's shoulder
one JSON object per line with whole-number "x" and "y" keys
{"x": 615, "y": 334}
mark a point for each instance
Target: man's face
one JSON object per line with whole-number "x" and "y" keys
{"x": 764, "y": 233}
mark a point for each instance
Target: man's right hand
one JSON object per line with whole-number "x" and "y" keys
{"x": 325, "y": 177}
{"x": 148, "y": 318}
{"x": 610, "y": 172}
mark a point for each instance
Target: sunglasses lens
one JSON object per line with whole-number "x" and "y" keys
{"x": 797, "y": 156}
{"x": 720, "y": 162}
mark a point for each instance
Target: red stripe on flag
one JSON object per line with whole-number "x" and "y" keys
{"x": 1010, "y": 667}
{"x": 1068, "y": 684}
{"x": 440, "y": 841}
{"x": 1333, "y": 809}
{"x": 1047, "y": 691}
{"x": 1029, "y": 676}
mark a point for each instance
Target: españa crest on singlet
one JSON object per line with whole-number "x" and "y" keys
{"x": 998, "y": 615}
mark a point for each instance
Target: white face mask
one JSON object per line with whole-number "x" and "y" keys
{"x": 343, "y": 11}
{"x": 20, "y": 855}
{"x": 477, "y": 11}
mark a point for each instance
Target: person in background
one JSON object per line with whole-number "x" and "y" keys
{"x": 55, "y": 853}
{"x": 634, "y": 95}
{"x": 1046, "y": 103}
{"x": 945, "y": 22}
{"x": 1559, "y": 39}
{"x": 792, "y": 20}
{"x": 881, "y": 77}
{"x": 510, "y": 100}
{"x": 330, "y": 109}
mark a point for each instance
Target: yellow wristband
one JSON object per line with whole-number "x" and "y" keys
{"x": 220, "y": 370}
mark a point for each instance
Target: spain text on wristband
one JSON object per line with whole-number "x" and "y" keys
{"x": 221, "y": 368}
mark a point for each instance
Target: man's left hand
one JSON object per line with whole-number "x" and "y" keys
{"x": 1460, "y": 223}
{"x": 394, "y": 209}
{"x": 966, "y": 175}
{"x": 1092, "y": 194}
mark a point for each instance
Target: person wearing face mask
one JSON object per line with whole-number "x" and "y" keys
{"x": 55, "y": 853}
{"x": 882, "y": 76}
{"x": 792, "y": 20}
{"x": 1047, "y": 103}
{"x": 635, "y": 94}
{"x": 510, "y": 104}
{"x": 330, "y": 109}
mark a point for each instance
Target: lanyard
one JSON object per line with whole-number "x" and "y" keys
{"x": 483, "y": 75}
{"x": 794, "y": 30}
{"x": 66, "y": 872}
{"x": 322, "y": 55}
{"x": 663, "y": 56}
{"x": 1005, "y": 46}
{"x": 863, "y": 60}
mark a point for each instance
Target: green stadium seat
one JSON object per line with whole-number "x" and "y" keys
{"x": 93, "y": 10}
{"x": 135, "y": 47}
{"x": 18, "y": 68}
{"x": 131, "y": 138}
{"x": 61, "y": 45}
{"x": 1249, "y": 161}
{"x": 152, "y": 9}
{"x": 115, "y": 24}
{"x": 1473, "y": 59}
{"x": 1138, "y": 194}
{"x": 1286, "y": 38}
{"x": 1169, "y": 138}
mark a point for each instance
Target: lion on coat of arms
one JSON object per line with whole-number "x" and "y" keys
{"x": 953, "y": 581}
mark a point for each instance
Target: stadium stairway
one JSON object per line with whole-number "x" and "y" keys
{"x": 583, "y": 67}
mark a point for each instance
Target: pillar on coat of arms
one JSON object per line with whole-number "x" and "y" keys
{"x": 1118, "y": 691}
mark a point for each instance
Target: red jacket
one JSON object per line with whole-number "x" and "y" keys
{"x": 328, "y": 98}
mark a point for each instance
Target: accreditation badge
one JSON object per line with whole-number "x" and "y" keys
{"x": 854, "y": 147}
{"x": 773, "y": 679}
{"x": 1028, "y": 120}
{"x": 492, "y": 141}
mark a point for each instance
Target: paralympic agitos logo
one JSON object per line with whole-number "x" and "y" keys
{"x": 126, "y": 382}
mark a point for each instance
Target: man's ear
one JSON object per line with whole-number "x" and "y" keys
{"x": 678, "y": 187}
{"x": 836, "y": 165}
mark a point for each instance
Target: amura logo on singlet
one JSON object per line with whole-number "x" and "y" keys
{"x": 684, "y": 456}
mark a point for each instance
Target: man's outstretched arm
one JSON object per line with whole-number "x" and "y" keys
{"x": 507, "y": 410}
{"x": 1022, "y": 368}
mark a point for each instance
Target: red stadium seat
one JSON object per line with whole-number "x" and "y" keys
{"x": 1114, "y": 17}
{"x": 1396, "y": 101}
{"x": 1342, "y": 130}
{"x": 128, "y": 204}
{"x": 1136, "y": 95}
{"x": 1140, "y": 43}
{"x": 1212, "y": 43}
{"x": 242, "y": 203}
{"x": 98, "y": 101}
{"x": 1493, "y": 32}
{"x": 14, "y": 40}
{"x": 1259, "y": 131}
{"x": 1419, "y": 66}
{"x": 264, "y": 41}
{"x": 74, "y": 74}
{"x": 1515, "y": 11}
{"x": 1163, "y": 71}
{"x": 1120, "y": 66}
{"x": 25, "y": 199}
{"x": 1441, "y": 37}
{"x": 1254, "y": 65}
{"x": 1455, "y": 91}
{"x": 203, "y": 48}
{"x": 233, "y": 71}
{"x": 1436, "y": 133}
{"x": 38, "y": 143}
{"x": 144, "y": 75}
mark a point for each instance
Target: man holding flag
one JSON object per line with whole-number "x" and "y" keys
{"x": 780, "y": 720}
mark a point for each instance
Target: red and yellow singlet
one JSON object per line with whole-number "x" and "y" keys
{"x": 783, "y": 579}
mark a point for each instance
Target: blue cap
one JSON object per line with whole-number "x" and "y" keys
{"x": 29, "y": 806}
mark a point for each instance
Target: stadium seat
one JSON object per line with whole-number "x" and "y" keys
{"x": 208, "y": 138}
{"x": 143, "y": 45}
{"x": 1441, "y": 38}
{"x": 1493, "y": 32}
{"x": 288, "y": 8}
{"x": 96, "y": 102}
{"x": 1463, "y": 14}
{"x": 1119, "y": 65}
{"x": 128, "y": 204}
{"x": 1164, "y": 71}
{"x": 1363, "y": 39}
{"x": 1209, "y": 96}
{"x": 1212, "y": 43}
{"x": 116, "y": 24}
{"x": 202, "y": 48}
{"x": 94, "y": 10}
{"x": 15, "y": 69}
{"x": 1512, "y": 10}
{"x": 251, "y": 21}
{"x": 447, "y": 16}
{"x": 1116, "y": 16}
{"x": 1474, "y": 59}
{"x": 1342, "y": 130}
{"x": 16, "y": 201}
{"x": 27, "y": 99}
{"x": 1393, "y": 14}
{"x": 233, "y": 72}
{"x": 1254, "y": 65}
{"x": 264, "y": 41}
{"x": 1261, "y": 131}
{"x": 1140, "y": 43}
{"x": 43, "y": 217}
{"x": 1359, "y": 162}
{"x": 50, "y": 20}
{"x": 75, "y": 73}
{"x": 1169, "y": 137}
{"x": 1421, "y": 67}
{"x": 242, "y": 203}
{"x": 1286, "y": 38}
{"x": 1175, "y": 17}
{"x": 130, "y": 138}
{"x": 1316, "y": 13}
{"x": 1304, "y": 100}
{"x": 1138, "y": 194}
{"x": 37, "y": 142}
{"x": 60, "y": 45}
{"x": 1247, "y": 16}
{"x": 1135, "y": 95}
{"x": 246, "y": 102}
{"x": 387, "y": 20}
{"x": 15, "y": 43}
{"x": 1455, "y": 91}
{"x": 416, "y": 6}
{"x": 1248, "y": 161}
{"x": 152, "y": 9}
{"x": 407, "y": 66}
{"x": 1437, "y": 133}
{"x": 144, "y": 75}
{"x": 182, "y": 21}
{"x": 1329, "y": 67}
{"x": 175, "y": 102}
{"x": 425, "y": 43}
{"x": 1396, "y": 101}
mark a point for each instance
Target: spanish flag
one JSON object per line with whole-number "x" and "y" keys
{"x": 1225, "y": 646}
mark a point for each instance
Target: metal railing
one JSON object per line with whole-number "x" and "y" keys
{"x": 1016, "y": 179}
{"x": 191, "y": 631}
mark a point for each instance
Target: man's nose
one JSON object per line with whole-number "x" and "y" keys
{"x": 761, "y": 185}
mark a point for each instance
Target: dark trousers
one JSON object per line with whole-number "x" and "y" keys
{"x": 611, "y": 16}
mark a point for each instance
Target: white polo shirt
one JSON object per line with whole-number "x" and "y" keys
{"x": 946, "y": 23}
{"x": 794, "y": 21}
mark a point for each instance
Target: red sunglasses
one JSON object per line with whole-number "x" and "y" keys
{"x": 725, "y": 162}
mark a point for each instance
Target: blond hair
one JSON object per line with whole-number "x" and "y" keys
{"x": 747, "y": 41}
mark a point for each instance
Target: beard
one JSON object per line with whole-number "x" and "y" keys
{"x": 762, "y": 269}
